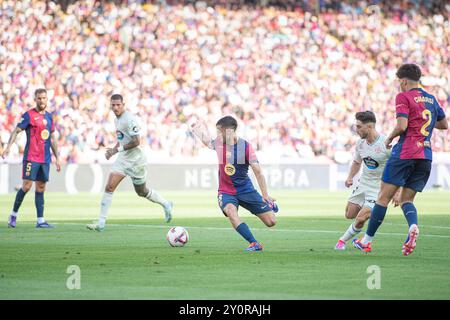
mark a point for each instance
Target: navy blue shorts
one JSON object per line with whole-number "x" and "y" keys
{"x": 35, "y": 171}
{"x": 252, "y": 201}
{"x": 408, "y": 173}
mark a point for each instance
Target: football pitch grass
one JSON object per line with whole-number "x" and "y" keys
{"x": 131, "y": 259}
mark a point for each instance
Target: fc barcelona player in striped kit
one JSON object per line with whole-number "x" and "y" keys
{"x": 39, "y": 127}
{"x": 409, "y": 166}
{"x": 235, "y": 156}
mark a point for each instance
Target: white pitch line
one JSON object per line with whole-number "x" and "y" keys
{"x": 257, "y": 229}
{"x": 426, "y": 226}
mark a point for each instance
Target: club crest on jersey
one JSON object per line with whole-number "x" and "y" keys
{"x": 45, "y": 134}
{"x": 119, "y": 135}
{"x": 371, "y": 163}
{"x": 44, "y": 121}
{"x": 229, "y": 169}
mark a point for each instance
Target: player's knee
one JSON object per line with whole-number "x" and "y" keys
{"x": 26, "y": 187}
{"x": 109, "y": 188}
{"x": 271, "y": 222}
{"x": 349, "y": 214}
{"x": 142, "y": 193}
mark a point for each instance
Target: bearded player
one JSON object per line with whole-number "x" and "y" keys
{"x": 235, "y": 156}
{"x": 131, "y": 162}
{"x": 409, "y": 166}
{"x": 372, "y": 154}
{"x": 40, "y": 129}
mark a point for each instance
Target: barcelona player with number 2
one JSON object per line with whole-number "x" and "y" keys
{"x": 40, "y": 129}
{"x": 235, "y": 155}
{"x": 409, "y": 165}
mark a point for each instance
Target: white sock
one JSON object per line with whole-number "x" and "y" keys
{"x": 350, "y": 233}
{"x": 366, "y": 239}
{"x": 153, "y": 196}
{"x": 412, "y": 226}
{"x": 41, "y": 220}
{"x": 105, "y": 204}
{"x": 13, "y": 213}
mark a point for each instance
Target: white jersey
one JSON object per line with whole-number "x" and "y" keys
{"x": 374, "y": 157}
{"x": 127, "y": 126}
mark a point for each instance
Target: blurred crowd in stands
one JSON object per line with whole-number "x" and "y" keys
{"x": 293, "y": 73}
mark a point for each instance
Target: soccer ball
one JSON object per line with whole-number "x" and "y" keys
{"x": 177, "y": 236}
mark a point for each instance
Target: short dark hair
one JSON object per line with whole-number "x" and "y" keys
{"x": 366, "y": 117}
{"x": 117, "y": 97}
{"x": 227, "y": 122}
{"x": 38, "y": 91}
{"x": 409, "y": 71}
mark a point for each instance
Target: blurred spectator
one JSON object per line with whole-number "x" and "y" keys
{"x": 293, "y": 78}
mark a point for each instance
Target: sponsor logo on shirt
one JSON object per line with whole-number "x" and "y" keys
{"x": 372, "y": 164}
{"x": 229, "y": 169}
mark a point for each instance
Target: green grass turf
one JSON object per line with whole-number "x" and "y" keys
{"x": 132, "y": 260}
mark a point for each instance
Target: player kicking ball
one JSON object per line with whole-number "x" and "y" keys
{"x": 40, "y": 129}
{"x": 235, "y": 155}
{"x": 409, "y": 166}
{"x": 372, "y": 154}
{"x": 131, "y": 162}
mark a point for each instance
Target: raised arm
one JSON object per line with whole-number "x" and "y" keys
{"x": 200, "y": 130}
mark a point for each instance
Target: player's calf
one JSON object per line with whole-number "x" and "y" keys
{"x": 361, "y": 218}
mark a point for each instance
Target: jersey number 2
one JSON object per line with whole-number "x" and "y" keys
{"x": 426, "y": 115}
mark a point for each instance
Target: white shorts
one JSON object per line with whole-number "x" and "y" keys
{"x": 137, "y": 170}
{"x": 363, "y": 196}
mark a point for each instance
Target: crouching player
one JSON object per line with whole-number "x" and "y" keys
{"x": 235, "y": 155}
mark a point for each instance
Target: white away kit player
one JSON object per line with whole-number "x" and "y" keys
{"x": 131, "y": 162}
